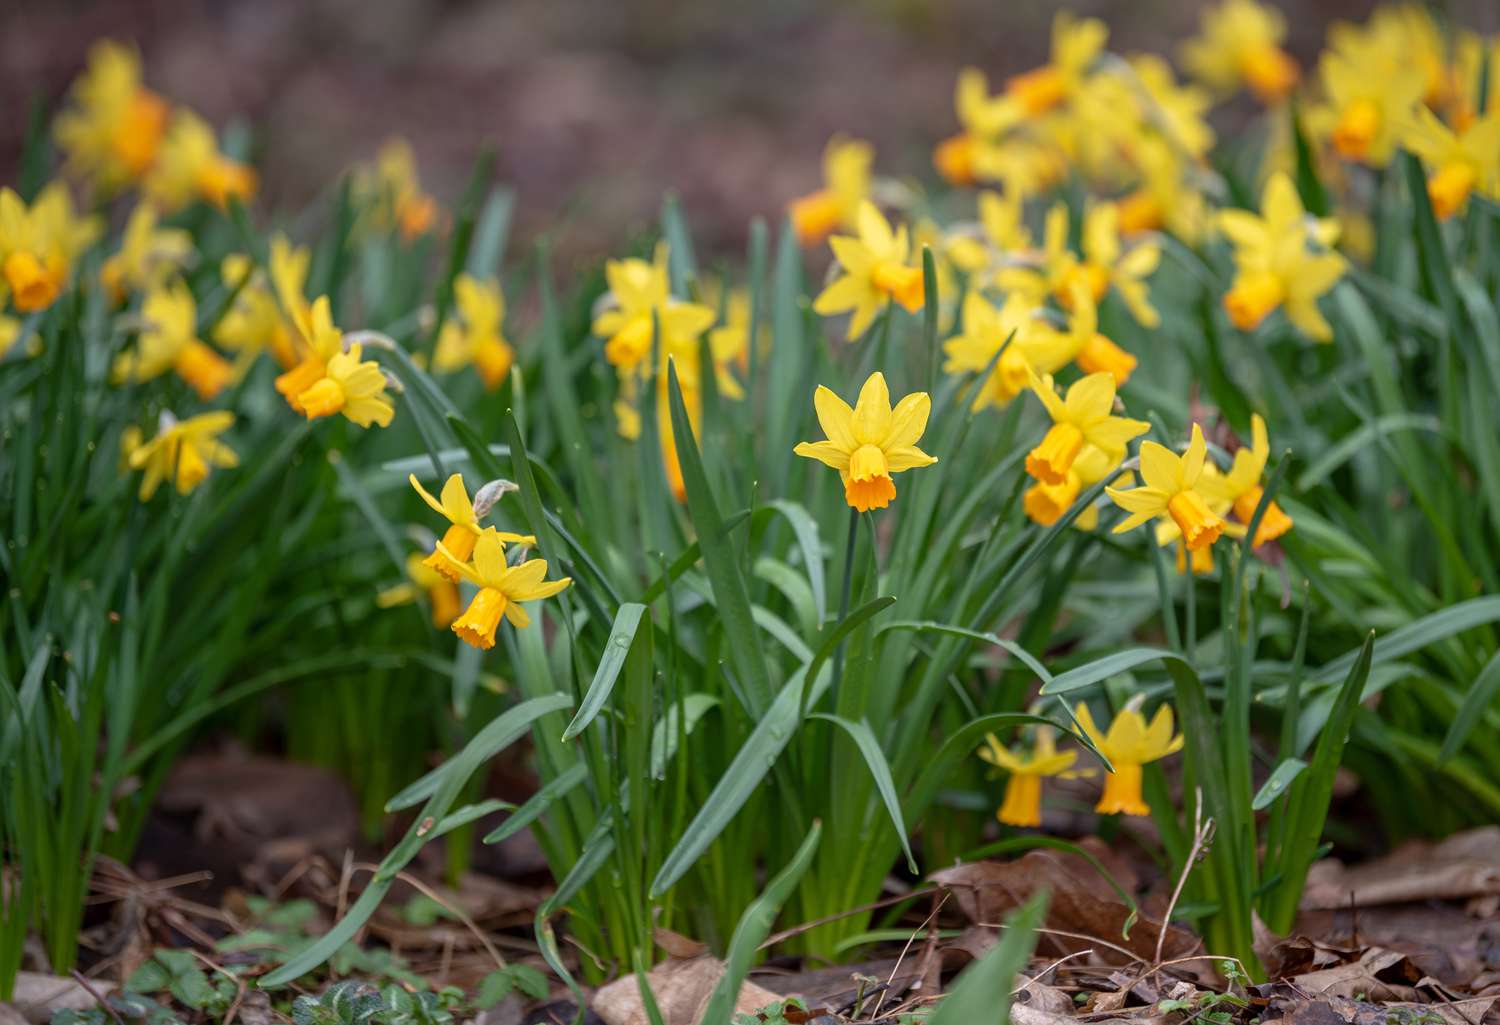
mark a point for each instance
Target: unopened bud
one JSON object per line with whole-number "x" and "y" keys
{"x": 491, "y": 493}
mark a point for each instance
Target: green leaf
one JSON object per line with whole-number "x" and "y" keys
{"x": 1110, "y": 665}
{"x": 1477, "y": 700}
{"x": 627, "y": 620}
{"x": 869, "y": 747}
{"x": 983, "y": 991}
{"x": 1277, "y": 783}
{"x": 539, "y": 802}
{"x": 755, "y": 925}
{"x": 1419, "y": 634}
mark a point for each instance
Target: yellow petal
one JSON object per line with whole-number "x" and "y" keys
{"x": 872, "y": 412}
{"x": 835, "y": 417}
{"x": 908, "y": 421}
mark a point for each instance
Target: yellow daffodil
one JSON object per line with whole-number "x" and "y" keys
{"x": 113, "y": 126}
{"x": 190, "y": 166}
{"x": 38, "y": 245}
{"x": 1034, "y": 347}
{"x": 475, "y": 336}
{"x": 729, "y": 342}
{"x": 501, "y": 589}
{"x": 1179, "y": 112}
{"x": 1105, "y": 262}
{"x": 1282, "y": 259}
{"x": 1045, "y": 503}
{"x": 983, "y": 118}
{"x": 1164, "y": 196}
{"x": 1365, "y": 105}
{"x": 257, "y": 321}
{"x": 1128, "y": 745}
{"x": 1085, "y": 418}
{"x": 148, "y": 255}
{"x": 1168, "y": 533}
{"x": 1023, "y": 791}
{"x": 1001, "y": 230}
{"x": 1075, "y": 45}
{"x": 332, "y": 378}
{"x": 1463, "y": 161}
{"x": 183, "y": 451}
{"x": 1240, "y": 489}
{"x": 463, "y": 523}
{"x": 639, "y": 292}
{"x": 1240, "y": 44}
{"x": 877, "y": 266}
{"x": 442, "y": 593}
{"x": 1095, "y": 352}
{"x": 168, "y": 341}
{"x": 869, "y": 443}
{"x": 1171, "y": 492}
{"x": 846, "y": 184}
{"x": 390, "y": 190}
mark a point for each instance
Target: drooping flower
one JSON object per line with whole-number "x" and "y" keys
{"x": 183, "y": 451}
{"x": 1085, "y": 417}
{"x": 39, "y": 244}
{"x": 869, "y": 443}
{"x": 1240, "y": 45}
{"x": 1129, "y": 744}
{"x": 442, "y": 593}
{"x": 113, "y": 126}
{"x": 501, "y": 589}
{"x": 168, "y": 341}
{"x": 877, "y": 266}
{"x": 1171, "y": 492}
{"x": 190, "y": 166}
{"x": 332, "y": 378}
{"x": 846, "y": 184}
{"x": 1282, "y": 259}
{"x": 1464, "y": 160}
{"x": 1045, "y": 504}
{"x": 148, "y": 255}
{"x": 463, "y": 524}
{"x": 1075, "y": 44}
{"x": 1031, "y": 345}
{"x": 1241, "y": 489}
{"x": 475, "y": 336}
{"x": 1023, "y": 791}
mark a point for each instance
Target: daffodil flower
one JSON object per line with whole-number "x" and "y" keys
{"x": 148, "y": 254}
{"x": 391, "y": 189}
{"x": 1106, "y": 262}
{"x": 113, "y": 125}
{"x": 1034, "y": 347}
{"x": 1023, "y": 791}
{"x": 261, "y": 318}
{"x": 1464, "y": 161}
{"x": 1171, "y": 492}
{"x": 475, "y": 336}
{"x": 876, "y": 267}
{"x": 1282, "y": 259}
{"x": 183, "y": 451}
{"x": 846, "y": 184}
{"x": 502, "y": 588}
{"x": 1240, "y": 44}
{"x": 38, "y": 245}
{"x": 1075, "y": 45}
{"x": 1129, "y": 744}
{"x": 640, "y": 295}
{"x": 1367, "y": 101}
{"x": 168, "y": 341}
{"x": 1045, "y": 504}
{"x": 441, "y": 592}
{"x": 1240, "y": 489}
{"x": 463, "y": 523}
{"x": 983, "y": 117}
{"x": 331, "y": 379}
{"x": 190, "y": 166}
{"x": 869, "y": 443}
{"x": 1085, "y": 418}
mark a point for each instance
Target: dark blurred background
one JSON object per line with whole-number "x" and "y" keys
{"x": 595, "y": 107}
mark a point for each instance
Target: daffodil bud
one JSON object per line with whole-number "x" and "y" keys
{"x": 491, "y": 493}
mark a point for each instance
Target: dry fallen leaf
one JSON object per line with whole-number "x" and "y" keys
{"x": 1464, "y": 866}
{"x": 681, "y": 988}
{"x": 38, "y": 995}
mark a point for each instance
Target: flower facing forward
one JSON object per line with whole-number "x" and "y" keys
{"x": 1023, "y": 791}
{"x": 463, "y": 524}
{"x": 441, "y": 592}
{"x": 148, "y": 255}
{"x": 113, "y": 126}
{"x": 869, "y": 443}
{"x": 183, "y": 451}
{"x": 1282, "y": 259}
{"x": 1085, "y": 417}
{"x": 168, "y": 341}
{"x": 502, "y": 588}
{"x": 641, "y": 298}
{"x": 1171, "y": 492}
{"x": 1366, "y": 107}
{"x": 846, "y": 184}
{"x": 1128, "y": 745}
{"x": 38, "y": 245}
{"x": 1462, "y": 161}
{"x": 876, "y": 267}
{"x": 1240, "y": 488}
{"x": 332, "y": 379}
{"x": 190, "y": 166}
{"x": 474, "y": 337}
{"x": 1240, "y": 45}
